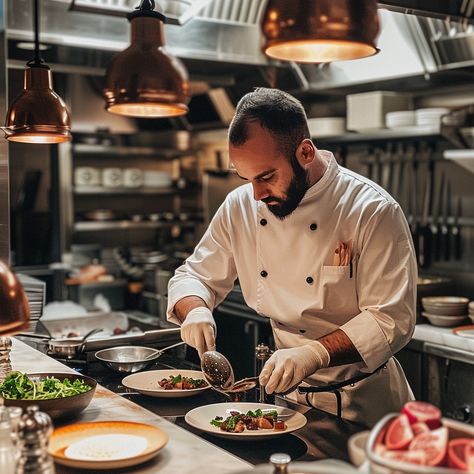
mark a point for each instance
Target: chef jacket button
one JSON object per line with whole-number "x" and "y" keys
{"x": 263, "y": 273}
{"x": 309, "y": 280}
{"x": 302, "y": 331}
{"x": 313, "y": 226}
{"x": 263, "y": 222}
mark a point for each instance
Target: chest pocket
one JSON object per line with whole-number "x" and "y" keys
{"x": 337, "y": 289}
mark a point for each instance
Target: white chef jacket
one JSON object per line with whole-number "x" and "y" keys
{"x": 285, "y": 269}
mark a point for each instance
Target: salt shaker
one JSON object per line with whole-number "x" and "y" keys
{"x": 280, "y": 462}
{"x": 262, "y": 354}
{"x": 5, "y": 363}
{"x": 8, "y": 453}
{"x": 35, "y": 430}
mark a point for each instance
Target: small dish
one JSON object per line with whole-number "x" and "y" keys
{"x": 146, "y": 383}
{"x": 465, "y": 331}
{"x": 356, "y": 447}
{"x": 106, "y": 445}
{"x": 444, "y": 321}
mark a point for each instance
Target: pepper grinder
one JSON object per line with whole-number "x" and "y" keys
{"x": 262, "y": 354}
{"x": 280, "y": 462}
{"x": 35, "y": 430}
{"x": 5, "y": 363}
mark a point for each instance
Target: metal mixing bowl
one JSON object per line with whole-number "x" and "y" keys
{"x": 128, "y": 359}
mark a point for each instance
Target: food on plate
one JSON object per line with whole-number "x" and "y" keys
{"x": 252, "y": 420}
{"x": 179, "y": 382}
{"x": 18, "y": 386}
{"x": 417, "y": 436}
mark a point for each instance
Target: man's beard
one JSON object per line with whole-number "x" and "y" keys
{"x": 294, "y": 194}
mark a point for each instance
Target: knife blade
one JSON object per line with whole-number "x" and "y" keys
{"x": 456, "y": 230}
{"x": 424, "y": 231}
{"x": 435, "y": 225}
{"x": 444, "y": 228}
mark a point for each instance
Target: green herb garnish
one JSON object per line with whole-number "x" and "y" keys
{"x": 18, "y": 386}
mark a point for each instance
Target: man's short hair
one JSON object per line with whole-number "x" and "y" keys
{"x": 278, "y": 112}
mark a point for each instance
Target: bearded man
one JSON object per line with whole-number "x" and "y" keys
{"x": 323, "y": 252}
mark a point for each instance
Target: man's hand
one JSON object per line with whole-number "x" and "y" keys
{"x": 199, "y": 330}
{"x": 286, "y": 368}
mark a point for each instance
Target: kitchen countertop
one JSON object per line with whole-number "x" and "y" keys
{"x": 442, "y": 336}
{"x": 189, "y": 450}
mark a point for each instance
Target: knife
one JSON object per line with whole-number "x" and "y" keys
{"x": 444, "y": 229}
{"x": 435, "y": 228}
{"x": 456, "y": 231}
{"x": 424, "y": 230}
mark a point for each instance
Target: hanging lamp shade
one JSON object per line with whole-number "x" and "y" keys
{"x": 144, "y": 80}
{"x": 38, "y": 114}
{"x": 318, "y": 31}
{"x": 14, "y": 307}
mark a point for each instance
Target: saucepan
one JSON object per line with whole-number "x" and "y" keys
{"x": 64, "y": 347}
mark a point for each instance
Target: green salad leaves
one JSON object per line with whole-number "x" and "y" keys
{"x": 18, "y": 386}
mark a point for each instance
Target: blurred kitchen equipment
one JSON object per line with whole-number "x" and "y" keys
{"x": 100, "y": 215}
{"x": 69, "y": 348}
{"x": 326, "y": 126}
{"x": 262, "y": 354}
{"x": 26, "y": 197}
{"x": 112, "y": 177}
{"x": 464, "y": 158}
{"x": 445, "y": 229}
{"x": 87, "y": 176}
{"x": 436, "y": 212}
{"x": 133, "y": 177}
{"x": 219, "y": 374}
{"x": 157, "y": 179}
{"x": 113, "y": 291}
{"x": 401, "y": 119}
{"x": 456, "y": 230}
{"x": 458, "y": 126}
{"x": 367, "y": 111}
{"x": 131, "y": 359}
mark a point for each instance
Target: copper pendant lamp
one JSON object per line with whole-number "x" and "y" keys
{"x": 14, "y": 307}
{"x": 144, "y": 80}
{"x": 319, "y": 31}
{"x": 38, "y": 114}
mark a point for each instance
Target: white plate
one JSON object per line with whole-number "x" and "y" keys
{"x": 201, "y": 417}
{"x": 146, "y": 383}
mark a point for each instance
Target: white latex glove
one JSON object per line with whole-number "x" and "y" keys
{"x": 286, "y": 368}
{"x": 198, "y": 330}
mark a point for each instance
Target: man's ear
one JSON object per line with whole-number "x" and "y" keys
{"x": 305, "y": 152}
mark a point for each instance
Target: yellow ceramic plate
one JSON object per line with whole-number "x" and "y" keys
{"x": 106, "y": 445}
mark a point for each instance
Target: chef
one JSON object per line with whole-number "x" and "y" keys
{"x": 323, "y": 252}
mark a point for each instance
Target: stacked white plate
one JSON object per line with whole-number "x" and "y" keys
{"x": 400, "y": 119}
{"x": 445, "y": 311}
{"x": 326, "y": 126}
{"x": 430, "y": 117}
{"x": 471, "y": 311}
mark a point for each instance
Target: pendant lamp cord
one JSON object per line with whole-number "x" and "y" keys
{"x": 37, "y": 60}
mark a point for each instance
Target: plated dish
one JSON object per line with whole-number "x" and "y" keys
{"x": 148, "y": 383}
{"x": 204, "y": 419}
{"x": 106, "y": 445}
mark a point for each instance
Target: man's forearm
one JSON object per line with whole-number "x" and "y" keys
{"x": 186, "y": 304}
{"x": 340, "y": 348}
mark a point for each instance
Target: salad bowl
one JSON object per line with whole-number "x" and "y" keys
{"x": 71, "y": 397}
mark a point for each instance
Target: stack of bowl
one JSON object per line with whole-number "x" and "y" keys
{"x": 446, "y": 311}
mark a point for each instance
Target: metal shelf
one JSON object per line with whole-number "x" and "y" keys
{"x": 127, "y": 151}
{"x": 382, "y": 135}
{"x": 96, "y": 226}
{"x": 83, "y": 190}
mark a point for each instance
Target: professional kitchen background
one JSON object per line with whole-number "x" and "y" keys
{"x": 133, "y": 196}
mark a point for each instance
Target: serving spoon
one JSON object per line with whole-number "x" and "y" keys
{"x": 219, "y": 374}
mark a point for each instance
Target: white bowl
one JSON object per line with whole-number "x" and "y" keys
{"x": 356, "y": 446}
{"x": 445, "y": 310}
{"x": 326, "y": 126}
{"x": 444, "y": 321}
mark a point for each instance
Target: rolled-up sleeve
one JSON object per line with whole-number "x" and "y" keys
{"x": 386, "y": 274}
{"x": 209, "y": 272}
